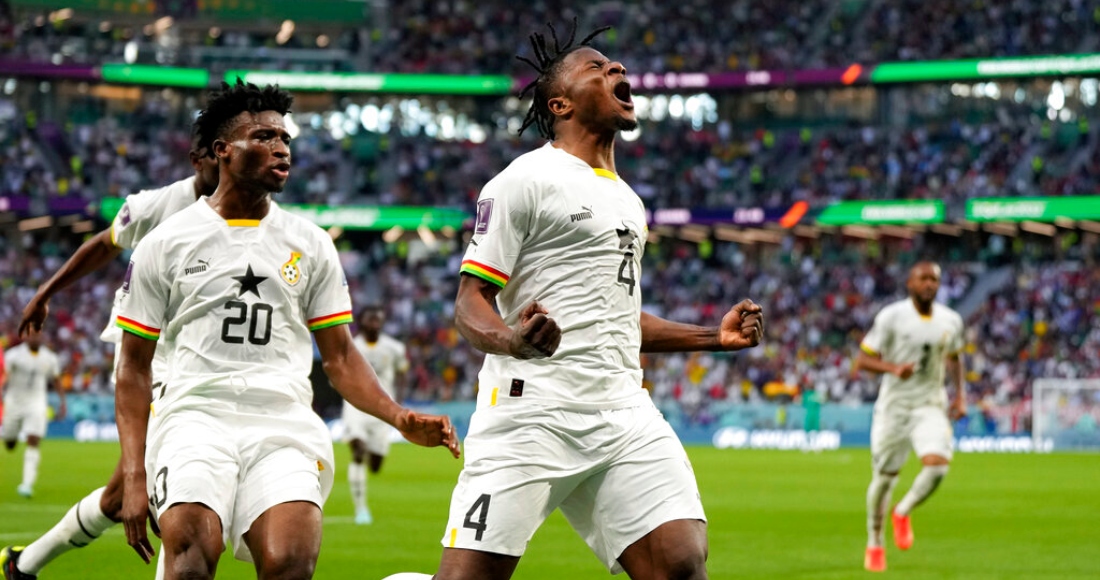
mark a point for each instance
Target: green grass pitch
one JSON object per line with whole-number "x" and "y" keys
{"x": 772, "y": 515}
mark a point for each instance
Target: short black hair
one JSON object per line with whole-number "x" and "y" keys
{"x": 372, "y": 307}
{"x": 224, "y": 104}
{"x": 548, "y": 66}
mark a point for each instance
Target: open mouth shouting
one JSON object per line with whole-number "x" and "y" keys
{"x": 622, "y": 94}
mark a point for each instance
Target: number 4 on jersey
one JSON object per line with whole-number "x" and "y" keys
{"x": 481, "y": 506}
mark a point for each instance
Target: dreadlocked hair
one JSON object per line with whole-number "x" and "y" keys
{"x": 548, "y": 65}
{"x": 229, "y": 101}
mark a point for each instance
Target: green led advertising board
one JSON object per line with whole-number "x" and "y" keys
{"x": 1040, "y": 209}
{"x": 882, "y": 212}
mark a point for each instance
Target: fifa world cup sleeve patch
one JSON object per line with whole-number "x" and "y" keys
{"x": 484, "y": 212}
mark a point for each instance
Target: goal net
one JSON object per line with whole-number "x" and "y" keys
{"x": 1065, "y": 414}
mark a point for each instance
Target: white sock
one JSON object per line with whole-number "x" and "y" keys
{"x": 878, "y": 502}
{"x": 357, "y": 481}
{"x": 409, "y": 576}
{"x": 926, "y": 482}
{"x": 83, "y": 523}
{"x": 160, "y": 563}
{"x": 31, "y": 457}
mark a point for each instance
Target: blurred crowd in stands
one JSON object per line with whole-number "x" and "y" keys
{"x": 820, "y": 299}
{"x": 466, "y": 37}
{"x": 670, "y": 164}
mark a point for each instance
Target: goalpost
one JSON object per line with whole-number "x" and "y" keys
{"x": 1065, "y": 414}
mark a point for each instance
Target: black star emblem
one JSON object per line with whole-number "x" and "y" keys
{"x": 249, "y": 282}
{"x": 626, "y": 237}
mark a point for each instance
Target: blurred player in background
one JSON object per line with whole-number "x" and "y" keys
{"x": 369, "y": 436}
{"x": 562, "y": 420}
{"x": 31, "y": 370}
{"x": 141, "y": 212}
{"x": 911, "y": 343}
{"x": 238, "y": 286}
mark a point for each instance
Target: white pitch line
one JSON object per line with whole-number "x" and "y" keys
{"x": 17, "y": 535}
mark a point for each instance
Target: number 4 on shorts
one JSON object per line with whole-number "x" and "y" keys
{"x": 481, "y": 506}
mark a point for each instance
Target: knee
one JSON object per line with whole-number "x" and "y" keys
{"x": 295, "y": 564}
{"x": 190, "y": 560}
{"x": 187, "y": 567}
{"x": 689, "y": 563}
{"x": 935, "y": 460}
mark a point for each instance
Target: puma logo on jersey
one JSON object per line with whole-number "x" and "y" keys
{"x": 203, "y": 264}
{"x": 584, "y": 215}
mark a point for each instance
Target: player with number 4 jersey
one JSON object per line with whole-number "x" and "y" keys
{"x": 551, "y": 291}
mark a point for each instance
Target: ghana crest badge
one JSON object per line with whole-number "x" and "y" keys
{"x": 290, "y": 272}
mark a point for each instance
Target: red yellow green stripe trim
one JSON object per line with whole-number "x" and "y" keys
{"x": 320, "y": 322}
{"x": 868, "y": 349}
{"x": 487, "y": 273}
{"x": 135, "y": 327}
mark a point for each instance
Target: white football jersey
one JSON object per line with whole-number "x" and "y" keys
{"x": 142, "y": 212}
{"x": 901, "y": 334}
{"x": 552, "y": 229}
{"x": 236, "y": 301}
{"x": 29, "y": 374}
{"x": 386, "y": 357}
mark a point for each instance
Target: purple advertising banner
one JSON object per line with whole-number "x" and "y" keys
{"x": 747, "y": 216}
{"x": 66, "y": 204}
{"x": 16, "y": 203}
{"x": 44, "y": 69}
{"x": 696, "y": 81}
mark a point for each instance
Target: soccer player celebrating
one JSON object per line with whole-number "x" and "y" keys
{"x": 562, "y": 420}
{"x": 368, "y": 436}
{"x": 911, "y": 343}
{"x": 31, "y": 370}
{"x": 140, "y": 213}
{"x": 232, "y": 451}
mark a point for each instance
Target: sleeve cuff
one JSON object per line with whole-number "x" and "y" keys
{"x": 135, "y": 327}
{"x": 487, "y": 273}
{"x": 337, "y": 319}
{"x": 868, "y": 349}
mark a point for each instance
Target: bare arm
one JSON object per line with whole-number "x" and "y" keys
{"x": 537, "y": 336}
{"x": 356, "y": 382}
{"x": 352, "y": 376}
{"x": 92, "y": 255}
{"x": 742, "y": 327}
{"x": 56, "y": 385}
{"x": 876, "y": 365}
{"x": 133, "y": 397}
{"x": 957, "y": 373}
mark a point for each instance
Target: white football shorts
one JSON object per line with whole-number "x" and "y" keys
{"x": 367, "y": 428}
{"x": 894, "y": 432}
{"x": 616, "y": 475}
{"x": 239, "y": 462}
{"x": 20, "y": 418}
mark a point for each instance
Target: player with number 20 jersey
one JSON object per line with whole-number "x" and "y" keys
{"x": 236, "y": 300}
